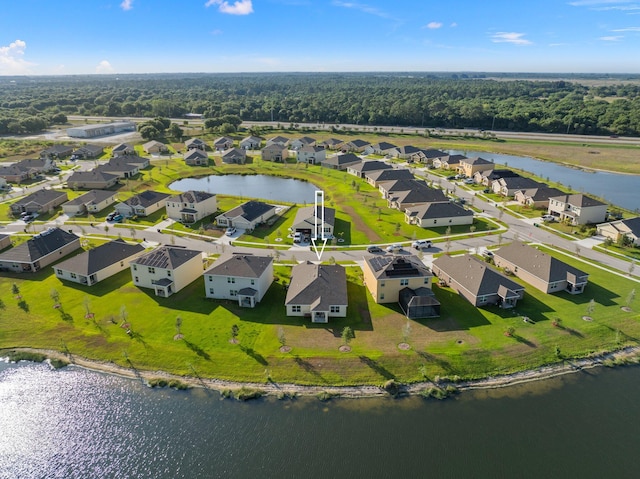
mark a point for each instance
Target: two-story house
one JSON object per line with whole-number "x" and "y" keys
{"x": 191, "y": 206}
{"x": 577, "y": 209}
{"x": 167, "y": 269}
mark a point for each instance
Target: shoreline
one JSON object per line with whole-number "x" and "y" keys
{"x": 629, "y": 355}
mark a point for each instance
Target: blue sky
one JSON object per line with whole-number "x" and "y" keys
{"x": 44, "y": 37}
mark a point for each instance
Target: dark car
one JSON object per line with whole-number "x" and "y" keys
{"x": 374, "y": 249}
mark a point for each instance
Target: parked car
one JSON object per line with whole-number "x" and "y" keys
{"x": 469, "y": 181}
{"x": 487, "y": 254}
{"x": 394, "y": 248}
{"x": 549, "y": 218}
{"x": 297, "y": 237}
{"x": 374, "y": 249}
{"x": 453, "y": 177}
{"x": 421, "y": 244}
{"x": 114, "y": 217}
{"x": 230, "y": 231}
{"x": 28, "y": 218}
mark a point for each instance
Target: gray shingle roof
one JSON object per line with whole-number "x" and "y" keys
{"x": 438, "y": 210}
{"x": 146, "y": 198}
{"x": 93, "y": 196}
{"x": 371, "y": 165}
{"x": 40, "y": 197}
{"x": 39, "y": 246}
{"x": 390, "y": 174}
{"x": 578, "y": 200}
{"x": 317, "y": 285}
{"x": 191, "y": 197}
{"x": 97, "y": 174}
{"x": 241, "y": 266}
{"x": 397, "y": 267}
{"x": 99, "y": 258}
{"x": 250, "y": 210}
{"x": 307, "y": 214}
{"x": 339, "y": 160}
{"x": 167, "y": 257}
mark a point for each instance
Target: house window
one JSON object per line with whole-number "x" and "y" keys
{"x": 210, "y": 290}
{"x": 426, "y": 280}
{"x": 231, "y": 280}
{"x": 233, "y": 292}
{"x": 121, "y": 264}
{"x": 59, "y": 272}
{"x": 382, "y": 284}
{"x": 334, "y": 309}
{"x": 136, "y": 279}
{"x": 435, "y": 222}
{"x": 404, "y": 282}
{"x": 295, "y": 309}
{"x": 169, "y": 273}
{"x": 135, "y": 268}
{"x": 253, "y": 281}
{"x": 152, "y": 270}
{"x": 382, "y": 296}
{"x": 210, "y": 278}
{"x": 73, "y": 275}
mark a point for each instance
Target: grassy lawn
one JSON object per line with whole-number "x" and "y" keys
{"x": 631, "y": 252}
{"x": 464, "y": 341}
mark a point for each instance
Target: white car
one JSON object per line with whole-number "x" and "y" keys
{"x": 421, "y": 244}
{"x": 394, "y": 248}
{"x": 230, "y": 231}
{"x": 549, "y": 218}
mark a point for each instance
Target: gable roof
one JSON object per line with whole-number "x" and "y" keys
{"x": 333, "y": 142}
{"x": 320, "y": 285}
{"x": 167, "y": 257}
{"x": 402, "y": 184}
{"x": 438, "y": 210}
{"x": 537, "y": 263}
{"x": 241, "y": 265}
{"x": 541, "y": 194}
{"x": 371, "y": 165}
{"x": 474, "y": 275}
{"x": 223, "y": 140}
{"x": 278, "y": 139}
{"x": 251, "y": 139}
{"x": 91, "y": 197}
{"x": 191, "y": 197}
{"x": 152, "y": 143}
{"x": 146, "y": 198}
{"x": 306, "y": 140}
{"x": 358, "y": 143}
{"x": 384, "y": 146}
{"x": 57, "y": 150}
{"x": 97, "y": 174}
{"x": 194, "y": 154}
{"x": 234, "y": 153}
{"x": 275, "y": 147}
{"x": 39, "y": 246}
{"x": 40, "y": 197}
{"x": 100, "y": 257}
{"x": 476, "y": 161}
{"x": 452, "y": 159}
{"x": 340, "y": 160}
{"x": 393, "y": 267}
{"x": 419, "y": 195}
{"x": 628, "y": 226}
{"x": 121, "y": 147}
{"x": 390, "y": 174}
{"x": 578, "y": 200}
{"x": 308, "y": 214}
{"x": 250, "y": 210}
{"x": 407, "y": 149}
{"x": 519, "y": 183}
{"x": 194, "y": 142}
{"x": 311, "y": 149}
{"x": 432, "y": 153}
{"x": 89, "y": 150}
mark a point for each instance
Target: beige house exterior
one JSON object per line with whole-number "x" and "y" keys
{"x": 234, "y": 156}
{"x": 155, "y": 147}
{"x": 90, "y": 202}
{"x": 92, "y": 180}
{"x": 536, "y": 197}
{"x": 275, "y": 152}
{"x": 41, "y": 250}
{"x": 167, "y": 269}
{"x": 41, "y": 201}
{"x": 246, "y": 216}
{"x": 577, "y": 209}
{"x": 191, "y": 206}
{"x": 433, "y": 215}
{"x": 628, "y": 229}
{"x": 196, "y": 157}
{"x": 386, "y": 275}
{"x": 239, "y": 277}
{"x": 312, "y": 155}
{"x": 5, "y": 241}
{"x": 470, "y": 166}
{"x": 143, "y": 204}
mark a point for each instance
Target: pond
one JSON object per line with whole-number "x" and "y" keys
{"x": 619, "y": 189}
{"x": 263, "y": 187}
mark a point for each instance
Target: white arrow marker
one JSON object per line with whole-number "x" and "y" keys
{"x": 318, "y": 214}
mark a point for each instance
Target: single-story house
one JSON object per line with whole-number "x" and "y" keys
{"x": 470, "y": 166}
{"x": 432, "y": 215}
{"x": 122, "y": 149}
{"x": 98, "y": 263}
{"x": 167, "y": 269}
{"x": 476, "y": 281}
{"x": 577, "y": 209}
{"x": 374, "y": 178}
{"x": 41, "y": 201}
{"x": 427, "y": 155}
{"x": 617, "y": 230}
{"x": 87, "y": 151}
{"x": 223, "y": 143}
{"x": 540, "y": 270}
{"x": 448, "y": 162}
{"x": 365, "y": 167}
{"x": 404, "y": 152}
{"x": 299, "y": 143}
{"x": 388, "y": 188}
{"x": 14, "y": 174}
{"x": 196, "y": 157}
{"x": 355, "y": 145}
{"x": 251, "y": 143}
{"x": 511, "y": 185}
{"x": 5, "y": 241}
{"x": 309, "y": 222}
{"x": 341, "y": 162}
{"x": 191, "y": 206}
{"x": 383, "y": 148}
{"x": 37, "y": 166}
{"x": 242, "y": 277}
{"x": 401, "y": 279}
{"x": 142, "y": 204}
{"x": 246, "y": 216}
{"x": 312, "y": 155}
{"x": 94, "y": 179}
{"x": 332, "y": 143}
{"x": 41, "y": 250}
{"x": 402, "y": 200}
{"x": 234, "y": 155}
{"x": 274, "y": 152}
{"x": 318, "y": 291}
{"x": 90, "y": 202}
{"x": 195, "y": 144}
{"x": 56, "y": 152}
{"x": 126, "y": 166}
{"x": 155, "y": 147}
{"x": 486, "y": 177}
{"x": 281, "y": 140}
{"x": 537, "y": 197}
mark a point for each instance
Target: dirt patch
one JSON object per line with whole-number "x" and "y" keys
{"x": 285, "y": 349}
{"x": 626, "y": 309}
{"x": 344, "y": 349}
{"x": 360, "y": 225}
{"x": 404, "y": 346}
{"x": 587, "y": 318}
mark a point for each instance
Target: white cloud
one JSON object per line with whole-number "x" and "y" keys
{"x": 612, "y": 38}
{"x": 433, "y": 25}
{"x": 510, "y": 37}
{"x": 595, "y": 3}
{"x": 628, "y": 29}
{"x": 12, "y": 60}
{"x": 239, "y": 7}
{"x": 126, "y": 5}
{"x": 104, "y": 67}
{"x": 363, "y": 8}
{"x": 453, "y": 25}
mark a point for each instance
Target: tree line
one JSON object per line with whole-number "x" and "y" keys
{"x": 408, "y": 100}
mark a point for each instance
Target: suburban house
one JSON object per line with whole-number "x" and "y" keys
{"x": 167, "y": 269}
{"x": 126, "y": 166}
{"x": 56, "y": 152}
{"x": 195, "y": 144}
{"x": 87, "y": 152}
{"x": 318, "y": 291}
{"x": 91, "y": 131}
{"x": 309, "y": 222}
{"x": 122, "y": 149}
{"x": 251, "y": 143}
{"x": 196, "y": 157}
{"x": 223, "y": 143}
{"x": 39, "y": 251}
{"x": 540, "y": 270}
{"x": 14, "y": 174}
{"x": 355, "y": 145}
{"x": 94, "y": 179}
{"x": 432, "y": 215}
{"x": 274, "y": 152}
{"x": 98, "y": 263}
{"x": 448, "y": 162}
{"x": 37, "y": 166}
{"x": 332, "y": 143}
{"x": 404, "y": 152}
{"x": 341, "y": 162}
{"x": 191, "y": 206}
{"x": 383, "y": 148}
{"x": 476, "y": 281}
{"x": 41, "y": 201}
{"x": 578, "y": 209}
{"x": 239, "y": 277}
{"x": 470, "y": 166}
{"x": 365, "y": 167}
{"x": 142, "y": 204}
{"x": 236, "y": 156}
{"x": 486, "y": 177}
{"x": 312, "y": 154}
{"x": 428, "y": 155}
{"x": 401, "y": 279}
{"x": 537, "y": 197}
{"x": 280, "y": 140}
{"x": 622, "y": 230}
{"x": 5, "y": 241}
{"x": 155, "y": 147}
{"x": 299, "y": 143}
{"x": 511, "y": 185}
{"x": 246, "y": 216}
{"x": 90, "y": 202}
{"x": 374, "y": 178}
{"x": 421, "y": 195}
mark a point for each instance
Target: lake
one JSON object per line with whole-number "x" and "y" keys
{"x": 614, "y": 187}
{"x": 74, "y": 423}
{"x": 264, "y": 187}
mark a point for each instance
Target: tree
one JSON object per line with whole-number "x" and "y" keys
{"x": 15, "y": 290}
{"x": 175, "y": 132}
{"x": 282, "y": 339}
{"x": 347, "y": 335}
{"x": 235, "y": 330}
{"x": 591, "y": 307}
{"x": 149, "y": 132}
{"x": 86, "y": 302}
{"x": 55, "y": 296}
{"x": 630, "y": 298}
{"x": 406, "y": 331}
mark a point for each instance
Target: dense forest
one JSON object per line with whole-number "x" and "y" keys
{"x": 30, "y": 104}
